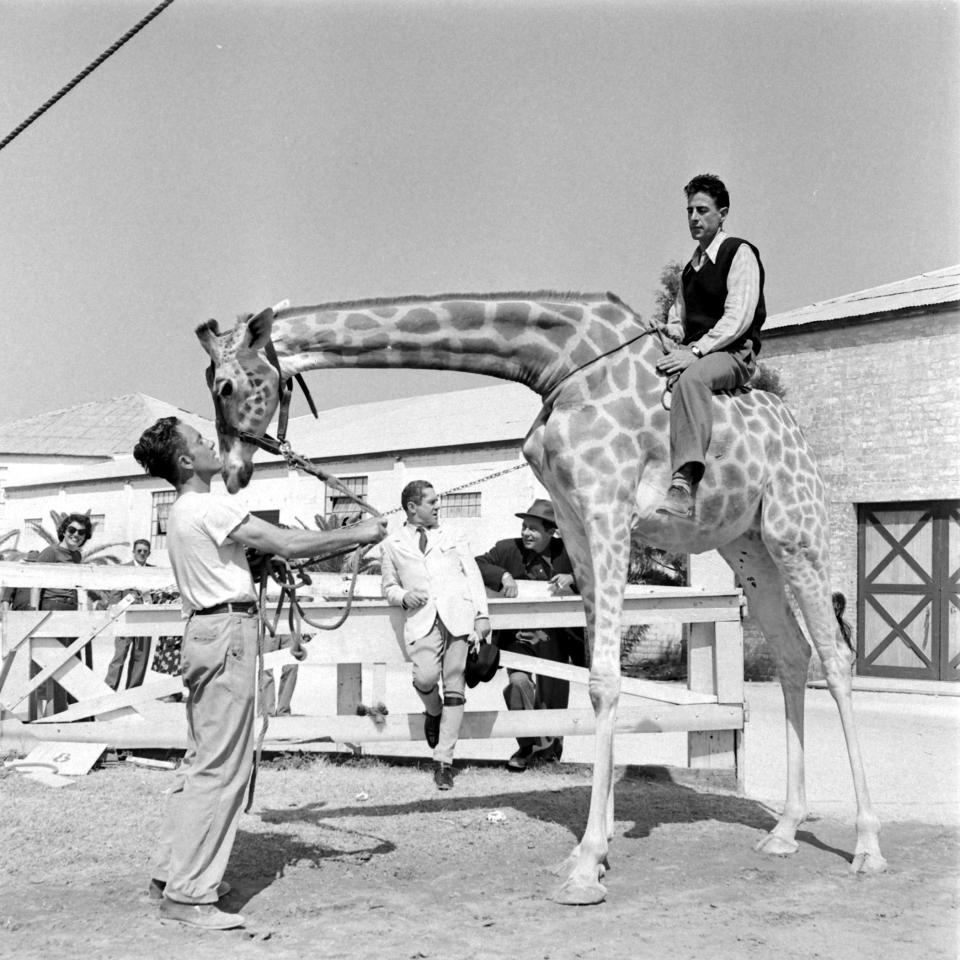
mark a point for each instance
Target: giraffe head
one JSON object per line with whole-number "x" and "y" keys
{"x": 245, "y": 389}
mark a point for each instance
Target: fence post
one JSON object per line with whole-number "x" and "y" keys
{"x": 349, "y": 692}
{"x": 715, "y": 666}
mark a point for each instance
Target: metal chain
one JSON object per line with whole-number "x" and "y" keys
{"x": 63, "y": 91}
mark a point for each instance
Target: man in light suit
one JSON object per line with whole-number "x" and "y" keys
{"x": 433, "y": 576}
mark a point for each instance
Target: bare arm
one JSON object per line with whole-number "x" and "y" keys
{"x": 289, "y": 544}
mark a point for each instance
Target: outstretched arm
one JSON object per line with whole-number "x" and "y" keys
{"x": 259, "y": 535}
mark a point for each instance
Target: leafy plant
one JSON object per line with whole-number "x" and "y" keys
{"x": 342, "y": 563}
{"x": 91, "y": 553}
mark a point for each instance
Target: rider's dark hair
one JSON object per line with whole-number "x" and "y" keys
{"x": 712, "y": 186}
{"x": 158, "y": 448}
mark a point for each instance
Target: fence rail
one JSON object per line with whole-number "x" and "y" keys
{"x": 363, "y": 651}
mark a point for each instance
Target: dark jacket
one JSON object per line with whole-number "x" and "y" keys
{"x": 510, "y": 556}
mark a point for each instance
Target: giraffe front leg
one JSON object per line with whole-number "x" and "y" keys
{"x": 582, "y": 871}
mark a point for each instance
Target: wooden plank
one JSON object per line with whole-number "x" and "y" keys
{"x": 72, "y": 675}
{"x": 85, "y": 576}
{"x": 378, "y": 684}
{"x": 349, "y": 688}
{"x": 19, "y": 626}
{"x": 728, "y": 662}
{"x": 632, "y": 686}
{"x": 53, "y": 663}
{"x": 139, "y": 698}
{"x": 172, "y": 734}
{"x": 701, "y": 674}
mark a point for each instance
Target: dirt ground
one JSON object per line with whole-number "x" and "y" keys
{"x": 364, "y": 858}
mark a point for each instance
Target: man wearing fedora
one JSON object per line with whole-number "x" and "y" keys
{"x": 430, "y": 573}
{"x": 537, "y": 554}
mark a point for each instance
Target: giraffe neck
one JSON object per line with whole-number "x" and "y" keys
{"x": 534, "y": 339}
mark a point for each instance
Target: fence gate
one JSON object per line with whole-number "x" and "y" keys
{"x": 909, "y": 562}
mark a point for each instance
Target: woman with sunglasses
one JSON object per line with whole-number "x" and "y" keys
{"x": 73, "y": 531}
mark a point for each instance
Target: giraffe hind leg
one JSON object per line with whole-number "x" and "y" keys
{"x": 803, "y": 566}
{"x": 768, "y": 605}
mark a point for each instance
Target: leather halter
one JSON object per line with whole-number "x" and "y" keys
{"x": 266, "y": 442}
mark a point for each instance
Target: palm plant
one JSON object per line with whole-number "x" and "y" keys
{"x": 91, "y": 553}
{"x": 343, "y": 563}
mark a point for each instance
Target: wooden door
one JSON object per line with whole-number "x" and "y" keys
{"x": 909, "y": 561}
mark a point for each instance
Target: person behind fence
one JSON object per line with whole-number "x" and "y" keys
{"x": 18, "y": 598}
{"x": 431, "y": 574}
{"x": 537, "y": 554}
{"x": 206, "y": 538}
{"x": 137, "y": 648}
{"x": 73, "y": 531}
{"x": 716, "y": 320}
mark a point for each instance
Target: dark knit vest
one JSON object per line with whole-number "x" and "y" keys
{"x": 705, "y": 292}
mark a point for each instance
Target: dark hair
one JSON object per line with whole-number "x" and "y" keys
{"x": 712, "y": 186}
{"x": 414, "y": 492}
{"x": 80, "y": 518}
{"x": 158, "y": 448}
{"x": 146, "y": 543}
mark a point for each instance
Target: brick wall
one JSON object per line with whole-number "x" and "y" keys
{"x": 878, "y": 402}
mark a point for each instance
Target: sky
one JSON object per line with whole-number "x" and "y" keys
{"x": 236, "y": 153}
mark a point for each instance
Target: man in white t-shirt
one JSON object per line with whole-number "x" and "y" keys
{"x": 206, "y": 537}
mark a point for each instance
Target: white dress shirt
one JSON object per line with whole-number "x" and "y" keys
{"x": 743, "y": 294}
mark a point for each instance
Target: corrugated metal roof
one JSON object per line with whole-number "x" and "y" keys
{"x": 102, "y": 428}
{"x": 928, "y": 289}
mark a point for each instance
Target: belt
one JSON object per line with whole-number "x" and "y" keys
{"x": 245, "y": 606}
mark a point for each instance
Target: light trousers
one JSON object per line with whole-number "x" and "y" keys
{"x": 691, "y": 403}
{"x": 440, "y": 654}
{"x": 200, "y": 820}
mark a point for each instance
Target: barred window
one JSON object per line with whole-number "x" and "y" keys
{"x": 98, "y": 522}
{"x": 31, "y": 539}
{"x": 459, "y": 505}
{"x": 343, "y": 507}
{"x": 162, "y": 502}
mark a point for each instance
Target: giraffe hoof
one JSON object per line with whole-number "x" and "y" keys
{"x": 866, "y": 863}
{"x": 575, "y": 893}
{"x": 773, "y": 846}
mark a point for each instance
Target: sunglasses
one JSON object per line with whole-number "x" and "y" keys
{"x": 77, "y": 531}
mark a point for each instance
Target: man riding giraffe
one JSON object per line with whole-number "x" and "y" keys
{"x": 716, "y": 320}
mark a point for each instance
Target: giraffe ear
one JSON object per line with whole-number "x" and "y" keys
{"x": 209, "y": 336}
{"x": 259, "y": 329}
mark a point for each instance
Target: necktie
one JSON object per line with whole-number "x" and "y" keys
{"x": 423, "y": 539}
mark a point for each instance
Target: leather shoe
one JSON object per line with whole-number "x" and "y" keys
{"x": 156, "y": 888}
{"x": 206, "y": 915}
{"x": 677, "y": 503}
{"x": 518, "y": 762}
{"x": 548, "y": 754}
{"x": 431, "y": 728}
{"x": 443, "y": 775}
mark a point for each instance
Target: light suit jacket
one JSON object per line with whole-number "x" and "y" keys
{"x": 447, "y": 573}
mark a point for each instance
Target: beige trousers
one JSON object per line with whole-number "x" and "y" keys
{"x": 438, "y": 654}
{"x": 219, "y": 659}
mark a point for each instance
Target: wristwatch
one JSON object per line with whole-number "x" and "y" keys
{"x": 695, "y": 350}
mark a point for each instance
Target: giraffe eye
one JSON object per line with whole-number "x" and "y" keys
{"x": 224, "y": 388}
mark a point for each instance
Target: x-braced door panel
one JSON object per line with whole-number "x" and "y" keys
{"x": 908, "y": 588}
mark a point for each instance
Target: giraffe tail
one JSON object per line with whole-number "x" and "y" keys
{"x": 846, "y": 631}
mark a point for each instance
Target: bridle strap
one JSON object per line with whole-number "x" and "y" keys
{"x": 274, "y": 445}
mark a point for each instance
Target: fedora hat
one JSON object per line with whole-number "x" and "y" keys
{"x": 541, "y": 510}
{"x": 482, "y": 665}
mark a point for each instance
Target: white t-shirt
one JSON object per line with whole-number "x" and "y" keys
{"x": 209, "y": 568}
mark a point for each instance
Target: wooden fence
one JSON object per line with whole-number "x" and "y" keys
{"x": 709, "y": 707}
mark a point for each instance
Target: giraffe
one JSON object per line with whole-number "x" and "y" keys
{"x": 600, "y": 446}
